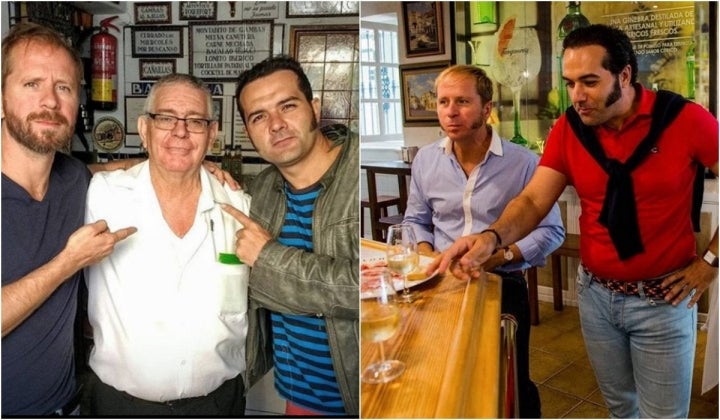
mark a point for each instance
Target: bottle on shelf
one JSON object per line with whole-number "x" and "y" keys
{"x": 573, "y": 19}
{"x": 226, "y": 159}
{"x": 690, "y": 63}
{"x": 235, "y": 167}
{"x": 217, "y": 145}
{"x": 702, "y": 58}
{"x": 483, "y": 16}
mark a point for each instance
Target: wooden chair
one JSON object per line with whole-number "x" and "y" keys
{"x": 384, "y": 202}
{"x": 569, "y": 248}
{"x": 397, "y": 168}
{"x": 385, "y": 222}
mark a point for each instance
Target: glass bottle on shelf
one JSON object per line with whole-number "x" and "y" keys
{"x": 217, "y": 145}
{"x": 226, "y": 159}
{"x": 690, "y": 63}
{"x": 702, "y": 66}
{"x": 573, "y": 19}
{"x": 235, "y": 164}
{"x": 483, "y": 12}
{"x": 482, "y": 15}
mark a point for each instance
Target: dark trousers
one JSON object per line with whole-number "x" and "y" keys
{"x": 226, "y": 401}
{"x": 515, "y": 302}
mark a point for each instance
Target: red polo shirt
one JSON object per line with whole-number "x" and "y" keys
{"x": 662, "y": 185}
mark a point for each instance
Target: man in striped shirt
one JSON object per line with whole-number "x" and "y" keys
{"x": 301, "y": 241}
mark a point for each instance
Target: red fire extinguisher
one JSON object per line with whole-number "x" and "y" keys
{"x": 104, "y": 67}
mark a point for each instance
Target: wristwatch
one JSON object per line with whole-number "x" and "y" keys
{"x": 508, "y": 255}
{"x": 710, "y": 258}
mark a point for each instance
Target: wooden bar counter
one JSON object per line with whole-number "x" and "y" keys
{"x": 449, "y": 341}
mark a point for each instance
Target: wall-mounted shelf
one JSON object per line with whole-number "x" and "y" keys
{"x": 102, "y": 7}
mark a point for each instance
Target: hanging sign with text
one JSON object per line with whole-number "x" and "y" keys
{"x": 657, "y": 31}
{"x": 260, "y": 10}
{"x": 221, "y": 51}
{"x": 153, "y": 13}
{"x": 153, "y": 69}
{"x": 198, "y": 10}
{"x": 158, "y": 41}
{"x": 662, "y": 36}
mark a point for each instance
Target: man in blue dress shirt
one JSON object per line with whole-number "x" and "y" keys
{"x": 461, "y": 183}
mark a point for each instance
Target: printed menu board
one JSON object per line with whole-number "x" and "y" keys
{"x": 221, "y": 51}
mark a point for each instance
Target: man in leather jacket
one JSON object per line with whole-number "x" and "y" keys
{"x": 301, "y": 241}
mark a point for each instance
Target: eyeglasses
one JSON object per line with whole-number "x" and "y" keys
{"x": 168, "y": 122}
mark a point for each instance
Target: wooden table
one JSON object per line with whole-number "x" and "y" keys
{"x": 395, "y": 167}
{"x": 450, "y": 343}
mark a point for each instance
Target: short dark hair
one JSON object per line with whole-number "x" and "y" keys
{"x": 618, "y": 48}
{"x": 268, "y": 67}
{"x": 25, "y": 33}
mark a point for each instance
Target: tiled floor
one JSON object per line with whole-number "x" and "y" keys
{"x": 560, "y": 368}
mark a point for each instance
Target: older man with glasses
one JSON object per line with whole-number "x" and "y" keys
{"x": 168, "y": 309}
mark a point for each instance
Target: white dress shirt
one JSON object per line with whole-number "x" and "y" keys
{"x": 169, "y": 320}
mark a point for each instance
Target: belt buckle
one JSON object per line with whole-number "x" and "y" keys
{"x": 619, "y": 286}
{"x": 71, "y": 405}
{"x": 624, "y": 287}
{"x": 66, "y": 410}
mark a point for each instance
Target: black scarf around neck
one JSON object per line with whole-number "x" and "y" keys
{"x": 619, "y": 213}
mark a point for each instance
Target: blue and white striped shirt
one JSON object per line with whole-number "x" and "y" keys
{"x": 301, "y": 352}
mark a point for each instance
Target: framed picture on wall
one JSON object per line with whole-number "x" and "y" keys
{"x": 300, "y": 9}
{"x": 157, "y": 41}
{"x": 153, "y": 13}
{"x": 329, "y": 56}
{"x": 418, "y": 92}
{"x": 222, "y": 58}
{"x": 198, "y": 10}
{"x": 153, "y": 69}
{"x": 133, "y": 110}
{"x": 424, "y": 32}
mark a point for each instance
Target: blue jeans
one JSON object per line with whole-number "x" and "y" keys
{"x": 641, "y": 349}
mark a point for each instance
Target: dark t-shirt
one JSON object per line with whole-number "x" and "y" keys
{"x": 38, "y": 365}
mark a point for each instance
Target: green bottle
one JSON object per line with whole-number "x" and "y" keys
{"x": 483, "y": 16}
{"x": 690, "y": 63}
{"x": 483, "y": 12}
{"x": 573, "y": 19}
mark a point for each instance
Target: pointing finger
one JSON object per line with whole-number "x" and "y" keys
{"x": 122, "y": 234}
{"x": 237, "y": 214}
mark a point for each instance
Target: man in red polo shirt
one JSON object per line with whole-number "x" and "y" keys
{"x": 633, "y": 167}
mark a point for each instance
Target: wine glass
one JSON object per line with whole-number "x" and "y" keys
{"x": 380, "y": 320}
{"x": 516, "y": 61}
{"x": 402, "y": 256}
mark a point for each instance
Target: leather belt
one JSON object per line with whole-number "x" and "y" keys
{"x": 185, "y": 401}
{"x": 651, "y": 288}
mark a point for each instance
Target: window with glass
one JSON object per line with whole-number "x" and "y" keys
{"x": 329, "y": 57}
{"x": 380, "y": 106}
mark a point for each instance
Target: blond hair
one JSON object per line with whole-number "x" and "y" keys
{"x": 483, "y": 84}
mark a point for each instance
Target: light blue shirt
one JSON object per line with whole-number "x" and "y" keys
{"x": 445, "y": 204}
